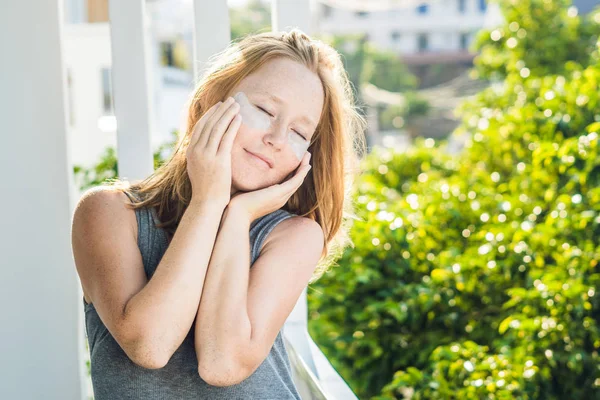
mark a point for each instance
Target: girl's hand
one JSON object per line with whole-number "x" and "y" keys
{"x": 261, "y": 202}
{"x": 208, "y": 154}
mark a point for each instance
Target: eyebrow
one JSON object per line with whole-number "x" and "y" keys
{"x": 277, "y": 99}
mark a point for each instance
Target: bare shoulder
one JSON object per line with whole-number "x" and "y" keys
{"x": 101, "y": 219}
{"x": 302, "y": 230}
{"x": 104, "y": 202}
{"x": 108, "y": 260}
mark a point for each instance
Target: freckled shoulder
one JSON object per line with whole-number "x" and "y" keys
{"x": 297, "y": 227}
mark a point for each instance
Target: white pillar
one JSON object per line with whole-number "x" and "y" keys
{"x": 212, "y": 32}
{"x": 40, "y": 304}
{"x": 132, "y": 93}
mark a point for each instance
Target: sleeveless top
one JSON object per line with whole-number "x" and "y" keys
{"x": 115, "y": 376}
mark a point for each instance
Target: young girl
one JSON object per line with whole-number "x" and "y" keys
{"x": 189, "y": 275}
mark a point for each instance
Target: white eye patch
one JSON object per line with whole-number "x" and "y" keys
{"x": 252, "y": 116}
{"x": 298, "y": 144}
{"x": 258, "y": 119}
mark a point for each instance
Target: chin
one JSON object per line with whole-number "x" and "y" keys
{"x": 246, "y": 179}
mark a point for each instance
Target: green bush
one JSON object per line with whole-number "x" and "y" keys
{"x": 416, "y": 106}
{"x": 107, "y": 168}
{"x": 474, "y": 276}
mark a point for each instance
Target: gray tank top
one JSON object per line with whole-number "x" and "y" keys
{"x": 115, "y": 376}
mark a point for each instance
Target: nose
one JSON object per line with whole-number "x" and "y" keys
{"x": 276, "y": 135}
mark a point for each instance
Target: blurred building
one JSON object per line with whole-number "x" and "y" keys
{"x": 438, "y": 27}
{"x": 423, "y": 33}
{"x": 87, "y": 57}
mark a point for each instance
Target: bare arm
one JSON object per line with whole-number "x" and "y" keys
{"x": 223, "y": 321}
{"x": 242, "y": 310}
{"x": 166, "y": 307}
{"x": 149, "y": 319}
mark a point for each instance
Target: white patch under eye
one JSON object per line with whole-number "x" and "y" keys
{"x": 255, "y": 118}
{"x": 298, "y": 144}
{"x": 251, "y": 116}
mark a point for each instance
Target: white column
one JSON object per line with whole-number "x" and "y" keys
{"x": 212, "y": 32}
{"x": 40, "y": 304}
{"x": 132, "y": 93}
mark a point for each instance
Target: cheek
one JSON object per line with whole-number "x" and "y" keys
{"x": 246, "y": 174}
{"x": 288, "y": 167}
{"x": 242, "y": 137}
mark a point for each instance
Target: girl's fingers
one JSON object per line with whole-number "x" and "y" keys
{"x": 196, "y": 131}
{"x": 213, "y": 121}
{"x": 308, "y": 156}
{"x": 220, "y": 127}
{"x": 229, "y": 136}
{"x": 290, "y": 186}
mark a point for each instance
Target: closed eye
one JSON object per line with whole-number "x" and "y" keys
{"x": 268, "y": 113}
{"x": 260, "y": 108}
{"x": 301, "y": 135}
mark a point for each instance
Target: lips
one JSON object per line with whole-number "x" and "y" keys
{"x": 265, "y": 159}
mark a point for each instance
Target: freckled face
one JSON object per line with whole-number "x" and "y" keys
{"x": 278, "y": 131}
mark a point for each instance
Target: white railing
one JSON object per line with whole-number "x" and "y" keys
{"x": 131, "y": 93}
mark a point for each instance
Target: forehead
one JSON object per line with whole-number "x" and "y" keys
{"x": 288, "y": 84}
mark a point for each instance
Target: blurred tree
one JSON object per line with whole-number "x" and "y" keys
{"x": 475, "y": 276}
{"x": 386, "y": 70}
{"x": 254, "y": 17}
{"x": 416, "y": 106}
{"x": 365, "y": 63}
{"x": 539, "y": 39}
